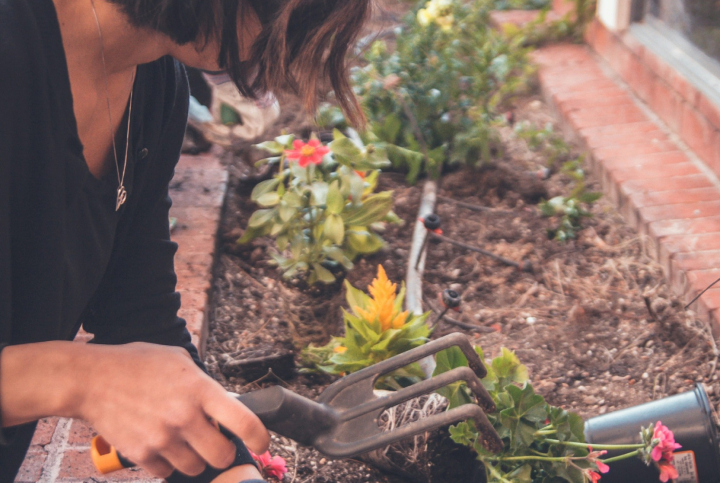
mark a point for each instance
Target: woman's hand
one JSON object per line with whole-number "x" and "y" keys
{"x": 151, "y": 402}
{"x": 155, "y": 405}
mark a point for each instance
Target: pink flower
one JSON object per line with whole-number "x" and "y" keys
{"x": 666, "y": 443}
{"x": 667, "y": 471}
{"x": 270, "y": 466}
{"x": 592, "y": 476}
{"x": 593, "y": 458}
{"x": 306, "y": 153}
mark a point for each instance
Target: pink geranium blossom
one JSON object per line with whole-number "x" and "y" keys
{"x": 666, "y": 443}
{"x": 307, "y": 153}
{"x": 593, "y": 458}
{"x": 592, "y": 476}
{"x": 667, "y": 471}
{"x": 270, "y": 465}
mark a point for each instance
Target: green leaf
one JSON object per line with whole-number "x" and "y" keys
{"x": 323, "y": 274}
{"x": 285, "y": 139}
{"x": 507, "y": 366}
{"x": 335, "y": 200}
{"x": 463, "y": 433}
{"x": 337, "y": 254}
{"x": 319, "y": 192}
{"x": 268, "y": 199}
{"x": 272, "y": 147}
{"x": 373, "y": 209}
{"x": 345, "y": 150}
{"x": 292, "y": 199}
{"x": 356, "y": 297}
{"x": 521, "y": 475}
{"x": 260, "y": 217}
{"x": 448, "y": 359}
{"x": 264, "y": 187}
{"x": 334, "y": 229}
{"x": 286, "y": 211}
{"x": 363, "y": 242}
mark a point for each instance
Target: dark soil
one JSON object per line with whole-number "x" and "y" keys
{"x": 595, "y": 322}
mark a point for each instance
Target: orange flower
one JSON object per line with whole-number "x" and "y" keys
{"x": 382, "y": 304}
{"x": 341, "y": 349}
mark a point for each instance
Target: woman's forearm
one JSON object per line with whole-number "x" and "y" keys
{"x": 41, "y": 379}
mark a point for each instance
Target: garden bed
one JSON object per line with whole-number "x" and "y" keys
{"x": 595, "y": 322}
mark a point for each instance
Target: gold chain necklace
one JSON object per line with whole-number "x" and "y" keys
{"x": 121, "y": 191}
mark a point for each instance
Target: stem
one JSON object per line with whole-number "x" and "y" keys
{"x": 495, "y": 472}
{"x": 622, "y": 457}
{"x": 533, "y": 458}
{"x": 549, "y": 431}
{"x": 595, "y": 446}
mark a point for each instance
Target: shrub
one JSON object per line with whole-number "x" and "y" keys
{"x": 321, "y": 207}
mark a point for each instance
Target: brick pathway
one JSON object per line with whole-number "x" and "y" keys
{"x": 60, "y": 448}
{"x": 661, "y": 187}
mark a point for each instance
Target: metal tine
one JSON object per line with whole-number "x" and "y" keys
{"x": 489, "y": 437}
{"x": 424, "y": 387}
{"x": 406, "y": 358}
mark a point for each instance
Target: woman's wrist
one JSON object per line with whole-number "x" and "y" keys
{"x": 43, "y": 379}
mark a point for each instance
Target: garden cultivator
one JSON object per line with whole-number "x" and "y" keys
{"x": 344, "y": 420}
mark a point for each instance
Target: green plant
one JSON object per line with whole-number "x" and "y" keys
{"x": 542, "y": 443}
{"x": 432, "y": 100}
{"x": 320, "y": 207}
{"x": 376, "y": 328}
{"x": 569, "y": 210}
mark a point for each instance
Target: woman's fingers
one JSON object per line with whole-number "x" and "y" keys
{"x": 238, "y": 419}
{"x": 210, "y": 444}
{"x": 158, "y": 466}
{"x": 184, "y": 459}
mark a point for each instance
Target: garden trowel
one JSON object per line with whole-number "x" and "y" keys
{"x": 343, "y": 422}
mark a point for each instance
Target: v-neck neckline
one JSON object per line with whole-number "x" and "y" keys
{"x": 65, "y": 99}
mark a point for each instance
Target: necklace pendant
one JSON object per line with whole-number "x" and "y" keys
{"x": 121, "y": 197}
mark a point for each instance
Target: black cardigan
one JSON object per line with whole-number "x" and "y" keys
{"x": 67, "y": 259}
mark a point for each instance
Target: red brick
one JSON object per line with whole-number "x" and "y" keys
{"x": 649, "y": 172}
{"x": 191, "y": 282}
{"x": 666, "y": 104}
{"x": 563, "y": 7}
{"x": 191, "y": 243}
{"x": 694, "y": 226}
{"x": 623, "y": 137}
{"x": 653, "y": 198}
{"x": 195, "y": 320}
{"x": 44, "y": 431}
{"x": 562, "y": 55}
{"x": 635, "y": 149}
{"x": 207, "y": 161}
{"x": 198, "y": 187}
{"x": 606, "y": 116}
{"x": 598, "y": 133}
{"x": 640, "y": 79}
{"x": 77, "y": 464}
{"x": 710, "y": 110}
{"x": 698, "y": 133}
{"x": 672, "y": 245}
{"x": 679, "y": 211}
{"x": 81, "y": 434}
{"x": 698, "y": 260}
{"x": 197, "y": 220}
{"x": 32, "y": 467}
{"x": 665, "y": 184}
{"x": 590, "y": 101}
{"x": 644, "y": 160}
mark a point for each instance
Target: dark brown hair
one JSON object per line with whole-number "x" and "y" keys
{"x": 302, "y": 42}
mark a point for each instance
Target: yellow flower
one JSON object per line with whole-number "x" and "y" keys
{"x": 382, "y": 304}
{"x": 424, "y": 18}
{"x": 445, "y": 22}
{"x": 341, "y": 349}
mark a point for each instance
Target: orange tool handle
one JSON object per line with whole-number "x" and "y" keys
{"x": 105, "y": 458}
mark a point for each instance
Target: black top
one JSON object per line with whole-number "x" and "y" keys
{"x": 66, "y": 257}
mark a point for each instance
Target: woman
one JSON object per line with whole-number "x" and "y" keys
{"x": 93, "y": 104}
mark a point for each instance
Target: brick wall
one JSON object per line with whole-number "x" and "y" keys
{"x": 668, "y": 93}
